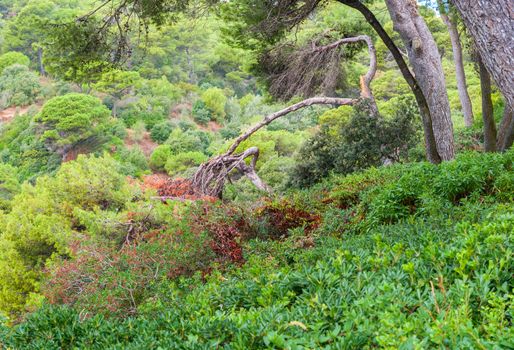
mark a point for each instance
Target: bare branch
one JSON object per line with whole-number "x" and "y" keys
{"x": 210, "y": 177}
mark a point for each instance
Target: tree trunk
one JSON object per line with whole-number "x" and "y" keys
{"x": 506, "y": 130}
{"x": 430, "y": 143}
{"x": 491, "y": 24}
{"x": 487, "y": 109}
{"x": 465, "y": 101}
{"x": 425, "y": 60}
{"x": 42, "y": 70}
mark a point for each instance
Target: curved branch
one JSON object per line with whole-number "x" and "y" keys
{"x": 305, "y": 103}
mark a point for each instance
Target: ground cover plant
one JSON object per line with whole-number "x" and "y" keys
{"x": 435, "y": 271}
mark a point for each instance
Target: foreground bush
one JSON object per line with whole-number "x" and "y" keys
{"x": 325, "y": 268}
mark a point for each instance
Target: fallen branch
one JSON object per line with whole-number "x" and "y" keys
{"x": 210, "y": 177}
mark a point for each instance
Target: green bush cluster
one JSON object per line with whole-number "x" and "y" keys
{"x": 12, "y": 58}
{"x": 437, "y": 276}
{"x": 349, "y": 143}
{"x": 45, "y": 217}
{"x": 65, "y": 121}
{"x": 18, "y": 86}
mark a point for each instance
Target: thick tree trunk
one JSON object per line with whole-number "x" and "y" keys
{"x": 465, "y": 101}
{"x": 430, "y": 143}
{"x": 487, "y": 109}
{"x": 506, "y": 130}
{"x": 426, "y": 62}
{"x": 491, "y": 24}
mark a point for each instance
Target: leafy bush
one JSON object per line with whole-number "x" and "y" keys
{"x": 161, "y": 131}
{"x": 215, "y": 100}
{"x": 201, "y": 114}
{"x": 131, "y": 116}
{"x": 12, "y": 58}
{"x": 160, "y": 156}
{"x": 9, "y": 186}
{"x": 179, "y": 163}
{"x": 18, "y": 86}
{"x": 43, "y": 220}
{"x": 360, "y": 142}
{"x": 65, "y": 121}
{"x": 188, "y": 141}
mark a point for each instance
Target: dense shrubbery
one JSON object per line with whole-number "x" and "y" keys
{"x": 66, "y": 121}
{"x": 12, "y": 58}
{"x": 18, "y": 86}
{"x": 436, "y": 274}
{"x": 46, "y": 216}
{"x": 347, "y": 144}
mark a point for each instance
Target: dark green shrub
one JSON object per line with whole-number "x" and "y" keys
{"x": 365, "y": 140}
{"x": 161, "y": 131}
{"x": 201, "y": 114}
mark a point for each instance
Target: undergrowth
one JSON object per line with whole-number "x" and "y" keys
{"x": 410, "y": 256}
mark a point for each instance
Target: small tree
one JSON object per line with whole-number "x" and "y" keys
{"x": 68, "y": 120}
{"x": 10, "y": 58}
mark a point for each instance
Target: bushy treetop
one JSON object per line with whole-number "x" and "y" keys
{"x": 66, "y": 120}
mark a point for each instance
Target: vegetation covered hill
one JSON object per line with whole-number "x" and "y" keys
{"x": 413, "y": 255}
{"x": 289, "y": 175}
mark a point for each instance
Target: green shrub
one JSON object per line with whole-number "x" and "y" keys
{"x": 201, "y": 114}
{"x": 364, "y": 140}
{"x": 215, "y": 100}
{"x": 65, "y": 121}
{"x": 160, "y": 156}
{"x": 42, "y": 222}
{"x": 178, "y": 163}
{"x": 188, "y": 141}
{"x": 161, "y": 131}
{"x": 18, "y": 86}
{"x": 9, "y": 186}
{"x": 12, "y": 58}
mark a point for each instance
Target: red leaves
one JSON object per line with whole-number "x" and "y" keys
{"x": 283, "y": 215}
{"x": 169, "y": 188}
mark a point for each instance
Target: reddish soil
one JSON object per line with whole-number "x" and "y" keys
{"x": 7, "y": 114}
{"x": 146, "y": 144}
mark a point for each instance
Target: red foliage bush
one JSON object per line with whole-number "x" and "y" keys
{"x": 281, "y": 216}
{"x": 170, "y": 188}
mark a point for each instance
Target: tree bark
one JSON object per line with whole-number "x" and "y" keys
{"x": 491, "y": 24}
{"x": 430, "y": 142}
{"x": 506, "y": 130}
{"x": 42, "y": 70}
{"x": 426, "y": 62}
{"x": 465, "y": 101}
{"x": 487, "y": 109}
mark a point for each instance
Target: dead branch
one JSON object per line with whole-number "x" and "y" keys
{"x": 210, "y": 177}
